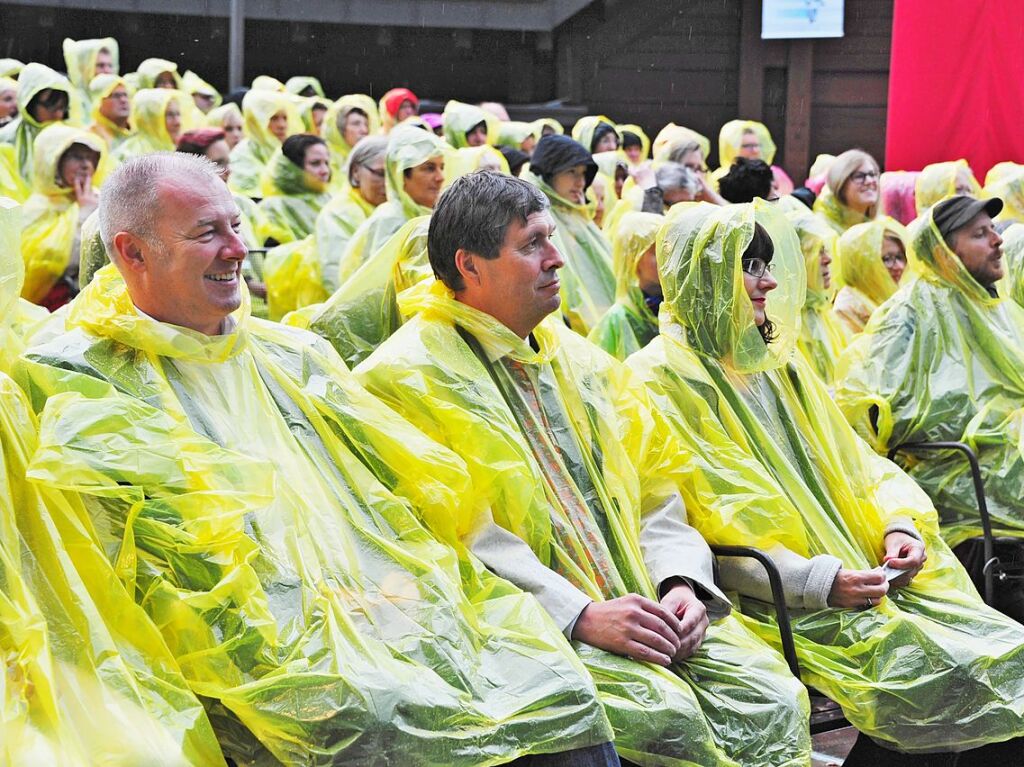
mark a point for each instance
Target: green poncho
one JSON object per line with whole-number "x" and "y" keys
{"x": 588, "y": 285}
{"x": 251, "y": 154}
{"x": 931, "y": 667}
{"x": 944, "y": 360}
{"x": 866, "y": 282}
{"x": 265, "y": 510}
{"x": 460, "y": 118}
{"x": 292, "y": 199}
{"x": 821, "y": 338}
{"x": 21, "y": 132}
{"x": 51, "y": 218}
{"x": 365, "y": 311}
{"x": 629, "y": 324}
{"x": 408, "y": 146}
{"x": 573, "y": 475}
{"x": 85, "y": 677}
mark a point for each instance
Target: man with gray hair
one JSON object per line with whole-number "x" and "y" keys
{"x": 266, "y": 511}
{"x": 577, "y": 481}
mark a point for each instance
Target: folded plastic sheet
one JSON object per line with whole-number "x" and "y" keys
{"x": 573, "y": 481}
{"x": 266, "y": 512}
{"x": 629, "y": 324}
{"x": 931, "y": 667}
{"x": 944, "y": 360}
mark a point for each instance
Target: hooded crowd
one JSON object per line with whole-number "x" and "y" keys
{"x": 334, "y": 433}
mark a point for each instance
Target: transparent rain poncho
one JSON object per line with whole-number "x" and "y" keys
{"x": 100, "y": 87}
{"x": 931, "y": 667}
{"x": 1012, "y": 285}
{"x": 251, "y": 155}
{"x": 673, "y": 137}
{"x": 408, "y": 146}
{"x": 51, "y": 216}
{"x": 150, "y": 69}
{"x": 730, "y": 142}
{"x": 822, "y": 338}
{"x": 588, "y": 285}
{"x": 85, "y": 677}
{"x": 866, "y": 283}
{"x": 944, "y": 360}
{"x": 291, "y": 273}
{"x": 292, "y": 199}
{"x": 268, "y": 513}
{"x": 585, "y": 128}
{"x": 334, "y": 135}
{"x": 21, "y": 132}
{"x": 573, "y": 475}
{"x": 295, "y": 85}
{"x": 460, "y": 118}
{"x": 838, "y": 215}
{"x": 473, "y": 158}
{"x": 336, "y": 223}
{"x": 80, "y": 59}
{"x": 365, "y": 311}
{"x": 943, "y": 179}
{"x": 149, "y": 122}
{"x": 629, "y": 324}
{"x": 645, "y": 142}
{"x": 1005, "y": 180}
{"x": 513, "y": 133}
{"x": 192, "y": 84}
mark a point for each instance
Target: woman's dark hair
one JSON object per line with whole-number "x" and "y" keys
{"x": 762, "y": 247}
{"x": 481, "y": 124}
{"x": 600, "y": 131}
{"x": 746, "y": 180}
{"x": 199, "y": 140}
{"x": 295, "y": 147}
{"x": 54, "y": 96}
{"x": 630, "y": 139}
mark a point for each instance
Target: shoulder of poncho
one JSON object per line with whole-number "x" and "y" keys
{"x": 70, "y": 350}
{"x": 416, "y": 344}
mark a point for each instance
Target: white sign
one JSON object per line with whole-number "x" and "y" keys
{"x": 781, "y": 19}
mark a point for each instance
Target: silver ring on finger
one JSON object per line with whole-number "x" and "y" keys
{"x": 868, "y": 602}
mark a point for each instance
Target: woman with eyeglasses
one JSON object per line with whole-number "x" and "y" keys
{"x": 43, "y": 98}
{"x": 872, "y": 259}
{"x": 919, "y": 664}
{"x": 851, "y": 191}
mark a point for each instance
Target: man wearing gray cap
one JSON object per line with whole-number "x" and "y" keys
{"x": 943, "y": 360}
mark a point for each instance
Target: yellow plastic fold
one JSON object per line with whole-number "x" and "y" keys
{"x": 931, "y": 667}
{"x": 673, "y": 137}
{"x": 866, "y": 283}
{"x": 268, "y": 514}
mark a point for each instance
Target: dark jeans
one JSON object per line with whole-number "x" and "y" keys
{"x": 594, "y": 756}
{"x": 866, "y": 753}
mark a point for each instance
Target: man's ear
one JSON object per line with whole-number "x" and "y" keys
{"x": 466, "y": 263}
{"x": 128, "y": 248}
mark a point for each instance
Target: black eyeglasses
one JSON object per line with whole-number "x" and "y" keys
{"x": 755, "y": 267}
{"x": 53, "y": 99}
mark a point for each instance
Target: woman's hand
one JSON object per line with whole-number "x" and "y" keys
{"x": 904, "y": 552}
{"x": 693, "y": 619}
{"x": 85, "y": 196}
{"x": 858, "y": 588}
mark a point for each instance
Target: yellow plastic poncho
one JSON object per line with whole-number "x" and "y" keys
{"x": 1005, "y": 180}
{"x": 931, "y": 667}
{"x": 575, "y": 486}
{"x": 408, "y": 147}
{"x": 513, "y": 133}
{"x": 547, "y": 122}
{"x": 268, "y": 513}
{"x": 86, "y": 677}
{"x": 588, "y": 284}
{"x": 944, "y": 360}
{"x": 150, "y": 69}
{"x": 12, "y": 185}
{"x": 51, "y": 219}
{"x": 838, "y": 215}
{"x": 822, "y": 338}
{"x": 1012, "y": 284}
{"x": 942, "y": 179}
{"x": 217, "y": 116}
{"x": 673, "y": 136}
{"x": 629, "y": 324}
{"x": 268, "y": 83}
{"x": 645, "y": 143}
{"x": 473, "y": 158}
{"x": 22, "y": 131}
{"x": 10, "y": 67}
{"x": 80, "y": 59}
{"x": 866, "y": 283}
{"x": 730, "y": 140}
{"x": 251, "y": 154}
{"x": 192, "y": 84}
{"x": 459, "y": 118}
{"x": 334, "y": 122}
{"x": 149, "y": 121}
{"x": 112, "y": 134}
{"x": 292, "y": 199}
{"x": 295, "y": 85}
{"x": 291, "y": 273}
{"x": 363, "y": 313}
{"x": 335, "y": 225}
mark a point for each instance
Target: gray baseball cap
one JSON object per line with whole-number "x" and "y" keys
{"x": 949, "y": 215}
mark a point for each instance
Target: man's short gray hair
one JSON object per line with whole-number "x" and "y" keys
{"x": 672, "y": 175}
{"x": 129, "y": 199}
{"x": 365, "y": 153}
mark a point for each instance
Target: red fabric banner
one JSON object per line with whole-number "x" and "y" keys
{"x": 956, "y": 84}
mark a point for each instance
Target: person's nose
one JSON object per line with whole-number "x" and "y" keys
{"x": 997, "y": 241}
{"x": 768, "y": 282}
{"x": 552, "y": 257}
{"x": 235, "y": 248}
